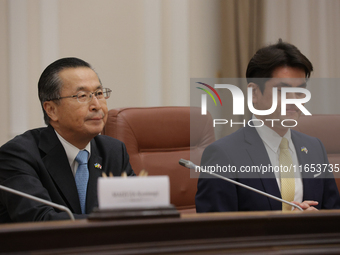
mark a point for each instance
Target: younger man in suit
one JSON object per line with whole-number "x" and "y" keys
{"x": 279, "y": 65}
{"x": 62, "y": 162}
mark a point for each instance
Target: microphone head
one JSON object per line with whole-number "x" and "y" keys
{"x": 186, "y": 163}
{"x": 183, "y": 162}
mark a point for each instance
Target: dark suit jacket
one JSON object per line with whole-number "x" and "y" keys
{"x": 36, "y": 163}
{"x": 245, "y": 148}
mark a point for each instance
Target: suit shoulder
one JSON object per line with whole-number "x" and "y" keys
{"x": 109, "y": 147}
{"x": 305, "y": 137}
{"x": 26, "y": 139}
{"x": 105, "y": 140}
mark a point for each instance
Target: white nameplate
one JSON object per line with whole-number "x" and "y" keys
{"x": 129, "y": 192}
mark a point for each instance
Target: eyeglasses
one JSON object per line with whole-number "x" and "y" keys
{"x": 85, "y": 97}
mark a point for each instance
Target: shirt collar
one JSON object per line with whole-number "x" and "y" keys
{"x": 71, "y": 150}
{"x": 273, "y": 139}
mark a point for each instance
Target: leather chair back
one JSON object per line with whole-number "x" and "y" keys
{"x": 157, "y": 137}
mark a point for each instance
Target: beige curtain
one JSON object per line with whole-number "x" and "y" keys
{"x": 241, "y": 36}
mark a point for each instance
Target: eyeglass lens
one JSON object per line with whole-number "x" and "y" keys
{"x": 83, "y": 96}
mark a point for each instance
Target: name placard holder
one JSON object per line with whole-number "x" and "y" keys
{"x": 133, "y": 198}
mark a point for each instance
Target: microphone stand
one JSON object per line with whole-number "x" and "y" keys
{"x": 189, "y": 164}
{"x": 43, "y": 201}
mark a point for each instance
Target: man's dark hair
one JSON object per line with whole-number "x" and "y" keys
{"x": 268, "y": 58}
{"x": 50, "y": 84}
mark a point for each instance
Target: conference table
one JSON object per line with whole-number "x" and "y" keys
{"x": 268, "y": 232}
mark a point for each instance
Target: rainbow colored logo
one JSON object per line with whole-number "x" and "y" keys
{"x": 208, "y": 92}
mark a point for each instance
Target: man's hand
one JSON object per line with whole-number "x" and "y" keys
{"x": 306, "y": 205}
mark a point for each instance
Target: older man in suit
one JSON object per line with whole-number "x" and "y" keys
{"x": 61, "y": 162}
{"x": 273, "y": 145}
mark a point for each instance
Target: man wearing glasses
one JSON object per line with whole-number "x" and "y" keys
{"x": 61, "y": 162}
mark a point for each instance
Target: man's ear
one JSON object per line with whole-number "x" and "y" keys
{"x": 51, "y": 109}
{"x": 255, "y": 91}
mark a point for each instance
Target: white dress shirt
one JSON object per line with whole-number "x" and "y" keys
{"x": 272, "y": 141}
{"x": 72, "y": 152}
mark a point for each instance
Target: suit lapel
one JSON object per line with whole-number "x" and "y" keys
{"x": 259, "y": 156}
{"x": 57, "y": 165}
{"x": 308, "y": 179}
{"x": 96, "y": 167}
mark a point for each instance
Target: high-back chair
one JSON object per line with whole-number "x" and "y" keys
{"x": 157, "y": 137}
{"x": 326, "y": 127}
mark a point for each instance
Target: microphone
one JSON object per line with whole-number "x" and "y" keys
{"x": 189, "y": 164}
{"x": 43, "y": 201}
